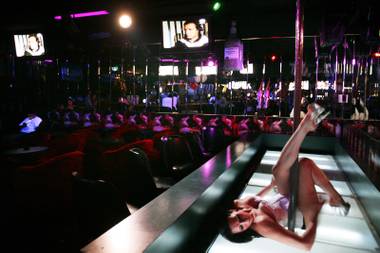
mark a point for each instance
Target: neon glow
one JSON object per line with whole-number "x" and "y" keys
{"x": 168, "y": 60}
{"x": 84, "y": 14}
{"x": 216, "y": 6}
{"x": 210, "y": 63}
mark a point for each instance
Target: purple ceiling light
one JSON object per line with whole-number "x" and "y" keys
{"x": 48, "y": 61}
{"x": 210, "y": 63}
{"x": 84, "y": 14}
{"x": 168, "y": 60}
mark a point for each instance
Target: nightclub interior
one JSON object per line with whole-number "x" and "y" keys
{"x": 146, "y": 126}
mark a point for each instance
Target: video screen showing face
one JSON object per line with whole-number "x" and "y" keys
{"x": 29, "y": 44}
{"x": 185, "y": 34}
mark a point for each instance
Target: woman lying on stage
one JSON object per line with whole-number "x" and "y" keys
{"x": 254, "y": 215}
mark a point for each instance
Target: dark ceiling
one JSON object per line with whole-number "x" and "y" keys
{"x": 259, "y": 18}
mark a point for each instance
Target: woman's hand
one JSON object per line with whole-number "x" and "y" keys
{"x": 247, "y": 202}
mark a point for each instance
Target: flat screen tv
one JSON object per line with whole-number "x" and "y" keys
{"x": 190, "y": 34}
{"x": 31, "y": 44}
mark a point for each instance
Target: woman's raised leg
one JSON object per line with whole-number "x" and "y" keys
{"x": 308, "y": 201}
{"x": 289, "y": 153}
{"x": 320, "y": 179}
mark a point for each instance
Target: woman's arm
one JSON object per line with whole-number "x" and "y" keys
{"x": 272, "y": 230}
{"x": 253, "y": 201}
{"x": 266, "y": 189}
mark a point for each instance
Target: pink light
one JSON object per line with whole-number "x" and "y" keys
{"x": 210, "y": 63}
{"x": 89, "y": 14}
{"x": 168, "y": 60}
{"x": 228, "y": 157}
{"x": 206, "y": 171}
{"x": 84, "y": 14}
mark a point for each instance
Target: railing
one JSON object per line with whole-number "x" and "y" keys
{"x": 365, "y": 149}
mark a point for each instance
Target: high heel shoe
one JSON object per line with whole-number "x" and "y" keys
{"x": 318, "y": 113}
{"x": 342, "y": 209}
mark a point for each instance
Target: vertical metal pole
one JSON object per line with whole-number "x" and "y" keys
{"x": 122, "y": 74}
{"x": 353, "y": 84}
{"x": 345, "y": 45}
{"x": 200, "y": 84}
{"x": 231, "y": 93}
{"x": 98, "y": 83}
{"x": 134, "y": 77}
{"x": 88, "y": 76}
{"x": 294, "y": 173}
{"x": 172, "y": 85}
{"x": 280, "y": 87}
{"x": 298, "y": 63}
{"x": 344, "y": 62}
{"x": 316, "y": 66}
{"x": 246, "y": 97}
{"x": 146, "y": 83}
{"x": 110, "y": 82}
{"x": 293, "y": 201}
{"x": 366, "y": 77}
{"x": 187, "y": 85}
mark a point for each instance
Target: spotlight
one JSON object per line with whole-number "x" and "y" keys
{"x": 125, "y": 21}
{"x": 210, "y": 63}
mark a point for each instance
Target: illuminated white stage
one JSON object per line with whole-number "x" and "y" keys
{"x": 350, "y": 234}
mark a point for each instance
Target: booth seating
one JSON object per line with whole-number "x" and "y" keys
{"x": 197, "y": 148}
{"x": 128, "y": 169}
{"x": 213, "y": 139}
{"x": 177, "y": 156}
{"x": 42, "y": 205}
{"x": 98, "y": 206}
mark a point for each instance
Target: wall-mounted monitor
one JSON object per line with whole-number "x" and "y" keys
{"x": 190, "y": 34}
{"x": 206, "y": 70}
{"x": 304, "y": 85}
{"x": 168, "y": 70}
{"x": 31, "y": 44}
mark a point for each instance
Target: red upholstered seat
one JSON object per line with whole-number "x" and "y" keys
{"x": 47, "y": 186}
{"x": 65, "y": 143}
{"x": 43, "y": 202}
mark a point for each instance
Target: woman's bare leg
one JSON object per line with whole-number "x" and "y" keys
{"x": 320, "y": 179}
{"x": 289, "y": 153}
{"x": 308, "y": 201}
